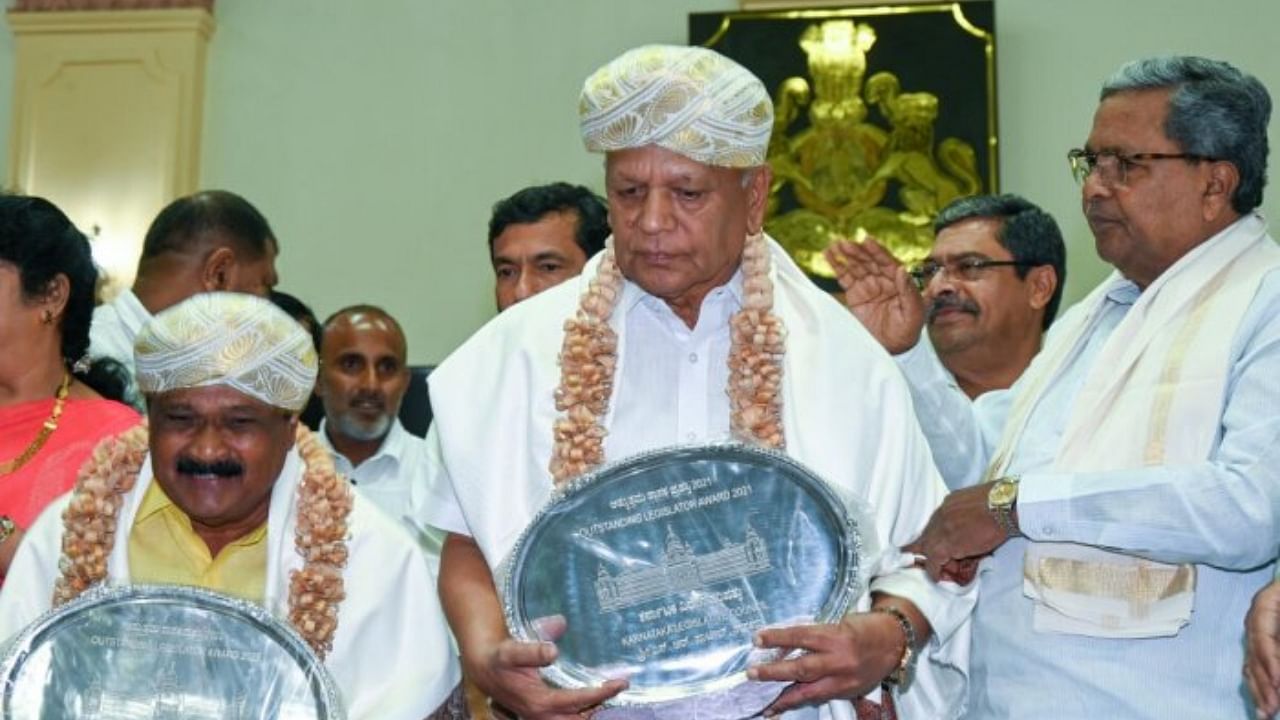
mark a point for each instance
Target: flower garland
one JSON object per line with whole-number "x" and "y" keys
{"x": 757, "y": 345}
{"x": 589, "y": 357}
{"x": 89, "y": 522}
{"x": 324, "y": 503}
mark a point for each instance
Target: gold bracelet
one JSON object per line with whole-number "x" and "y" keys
{"x": 902, "y": 673}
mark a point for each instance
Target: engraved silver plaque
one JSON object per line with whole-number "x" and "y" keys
{"x": 660, "y": 568}
{"x": 167, "y": 652}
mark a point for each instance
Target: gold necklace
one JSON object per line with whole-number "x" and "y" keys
{"x": 46, "y": 430}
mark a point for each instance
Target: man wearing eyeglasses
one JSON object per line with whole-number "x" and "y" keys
{"x": 1125, "y": 488}
{"x": 991, "y": 287}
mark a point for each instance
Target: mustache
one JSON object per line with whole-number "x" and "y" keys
{"x": 1094, "y": 213}
{"x": 948, "y": 301}
{"x": 366, "y": 397}
{"x": 217, "y": 468}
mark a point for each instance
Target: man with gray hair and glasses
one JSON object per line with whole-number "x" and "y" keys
{"x": 1121, "y": 494}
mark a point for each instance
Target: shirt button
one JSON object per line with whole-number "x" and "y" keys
{"x": 1048, "y": 531}
{"x": 693, "y": 357}
{"x": 354, "y": 481}
{"x": 691, "y": 436}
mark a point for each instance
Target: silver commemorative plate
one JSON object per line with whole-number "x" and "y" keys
{"x": 169, "y": 652}
{"x": 661, "y": 567}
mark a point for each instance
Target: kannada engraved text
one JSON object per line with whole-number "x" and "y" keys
{"x": 173, "y": 640}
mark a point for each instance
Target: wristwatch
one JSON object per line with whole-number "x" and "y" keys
{"x": 7, "y": 528}
{"x": 1002, "y": 500}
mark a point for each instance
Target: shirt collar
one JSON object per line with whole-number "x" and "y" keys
{"x": 633, "y": 294}
{"x": 393, "y": 445}
{"x": 154, "y": 500}
{"x": 1124, "y": 292}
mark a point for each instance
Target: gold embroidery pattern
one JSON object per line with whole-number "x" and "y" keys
{"x": 692, "y": 101}
{"x": 1142, "y": 584}
{"x": 1153, "y": 453}
{"x": 228, "y": 339}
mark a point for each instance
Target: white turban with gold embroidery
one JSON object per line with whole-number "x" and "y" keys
{"x": 689, "y": 100}
{"x": 233, "y": 339}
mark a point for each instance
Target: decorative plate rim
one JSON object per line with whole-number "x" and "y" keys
{"x": 842, "y": 597}
{"x": 19, "y": 647}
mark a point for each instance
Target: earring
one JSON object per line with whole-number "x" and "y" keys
{"x": 82, "y": 365}
{"x": 47, "y": 317}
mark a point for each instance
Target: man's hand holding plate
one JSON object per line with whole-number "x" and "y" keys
{"x": 508, "y": 673}
{"x": 842, "y": 660}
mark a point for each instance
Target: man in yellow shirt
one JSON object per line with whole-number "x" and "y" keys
{"x": 165, "y": 549}
{"x": 224, "y": 489}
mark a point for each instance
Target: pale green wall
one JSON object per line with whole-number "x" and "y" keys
{"x": 1052, "y": 59}
{"x": 376, "y": 134}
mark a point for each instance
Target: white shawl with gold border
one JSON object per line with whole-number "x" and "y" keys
{"x": 1153, "y": 396}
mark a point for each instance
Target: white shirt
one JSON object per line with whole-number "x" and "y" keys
{"x": 395, "y": 480}
{"x": 1218, "y": 514}
{"x": 666, "y": 349}
{"x": 115, "y": 326}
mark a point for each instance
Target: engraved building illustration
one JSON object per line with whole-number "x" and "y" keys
{"x": 680, "y": 570}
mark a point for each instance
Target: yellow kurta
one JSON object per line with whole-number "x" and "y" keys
{"x": 165, "y": 550}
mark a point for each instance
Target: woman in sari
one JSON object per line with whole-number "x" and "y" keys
{"x": 56, "y": 403}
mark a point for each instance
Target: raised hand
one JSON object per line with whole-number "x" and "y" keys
{"x": 879, "y": 292}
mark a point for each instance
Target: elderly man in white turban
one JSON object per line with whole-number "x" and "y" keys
{"x": 227, "y": 491}
{"x": 690, "y": 298}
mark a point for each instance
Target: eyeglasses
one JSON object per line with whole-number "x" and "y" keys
{"x": 1113, "y": 167}
{"x": 966, "y": 269}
